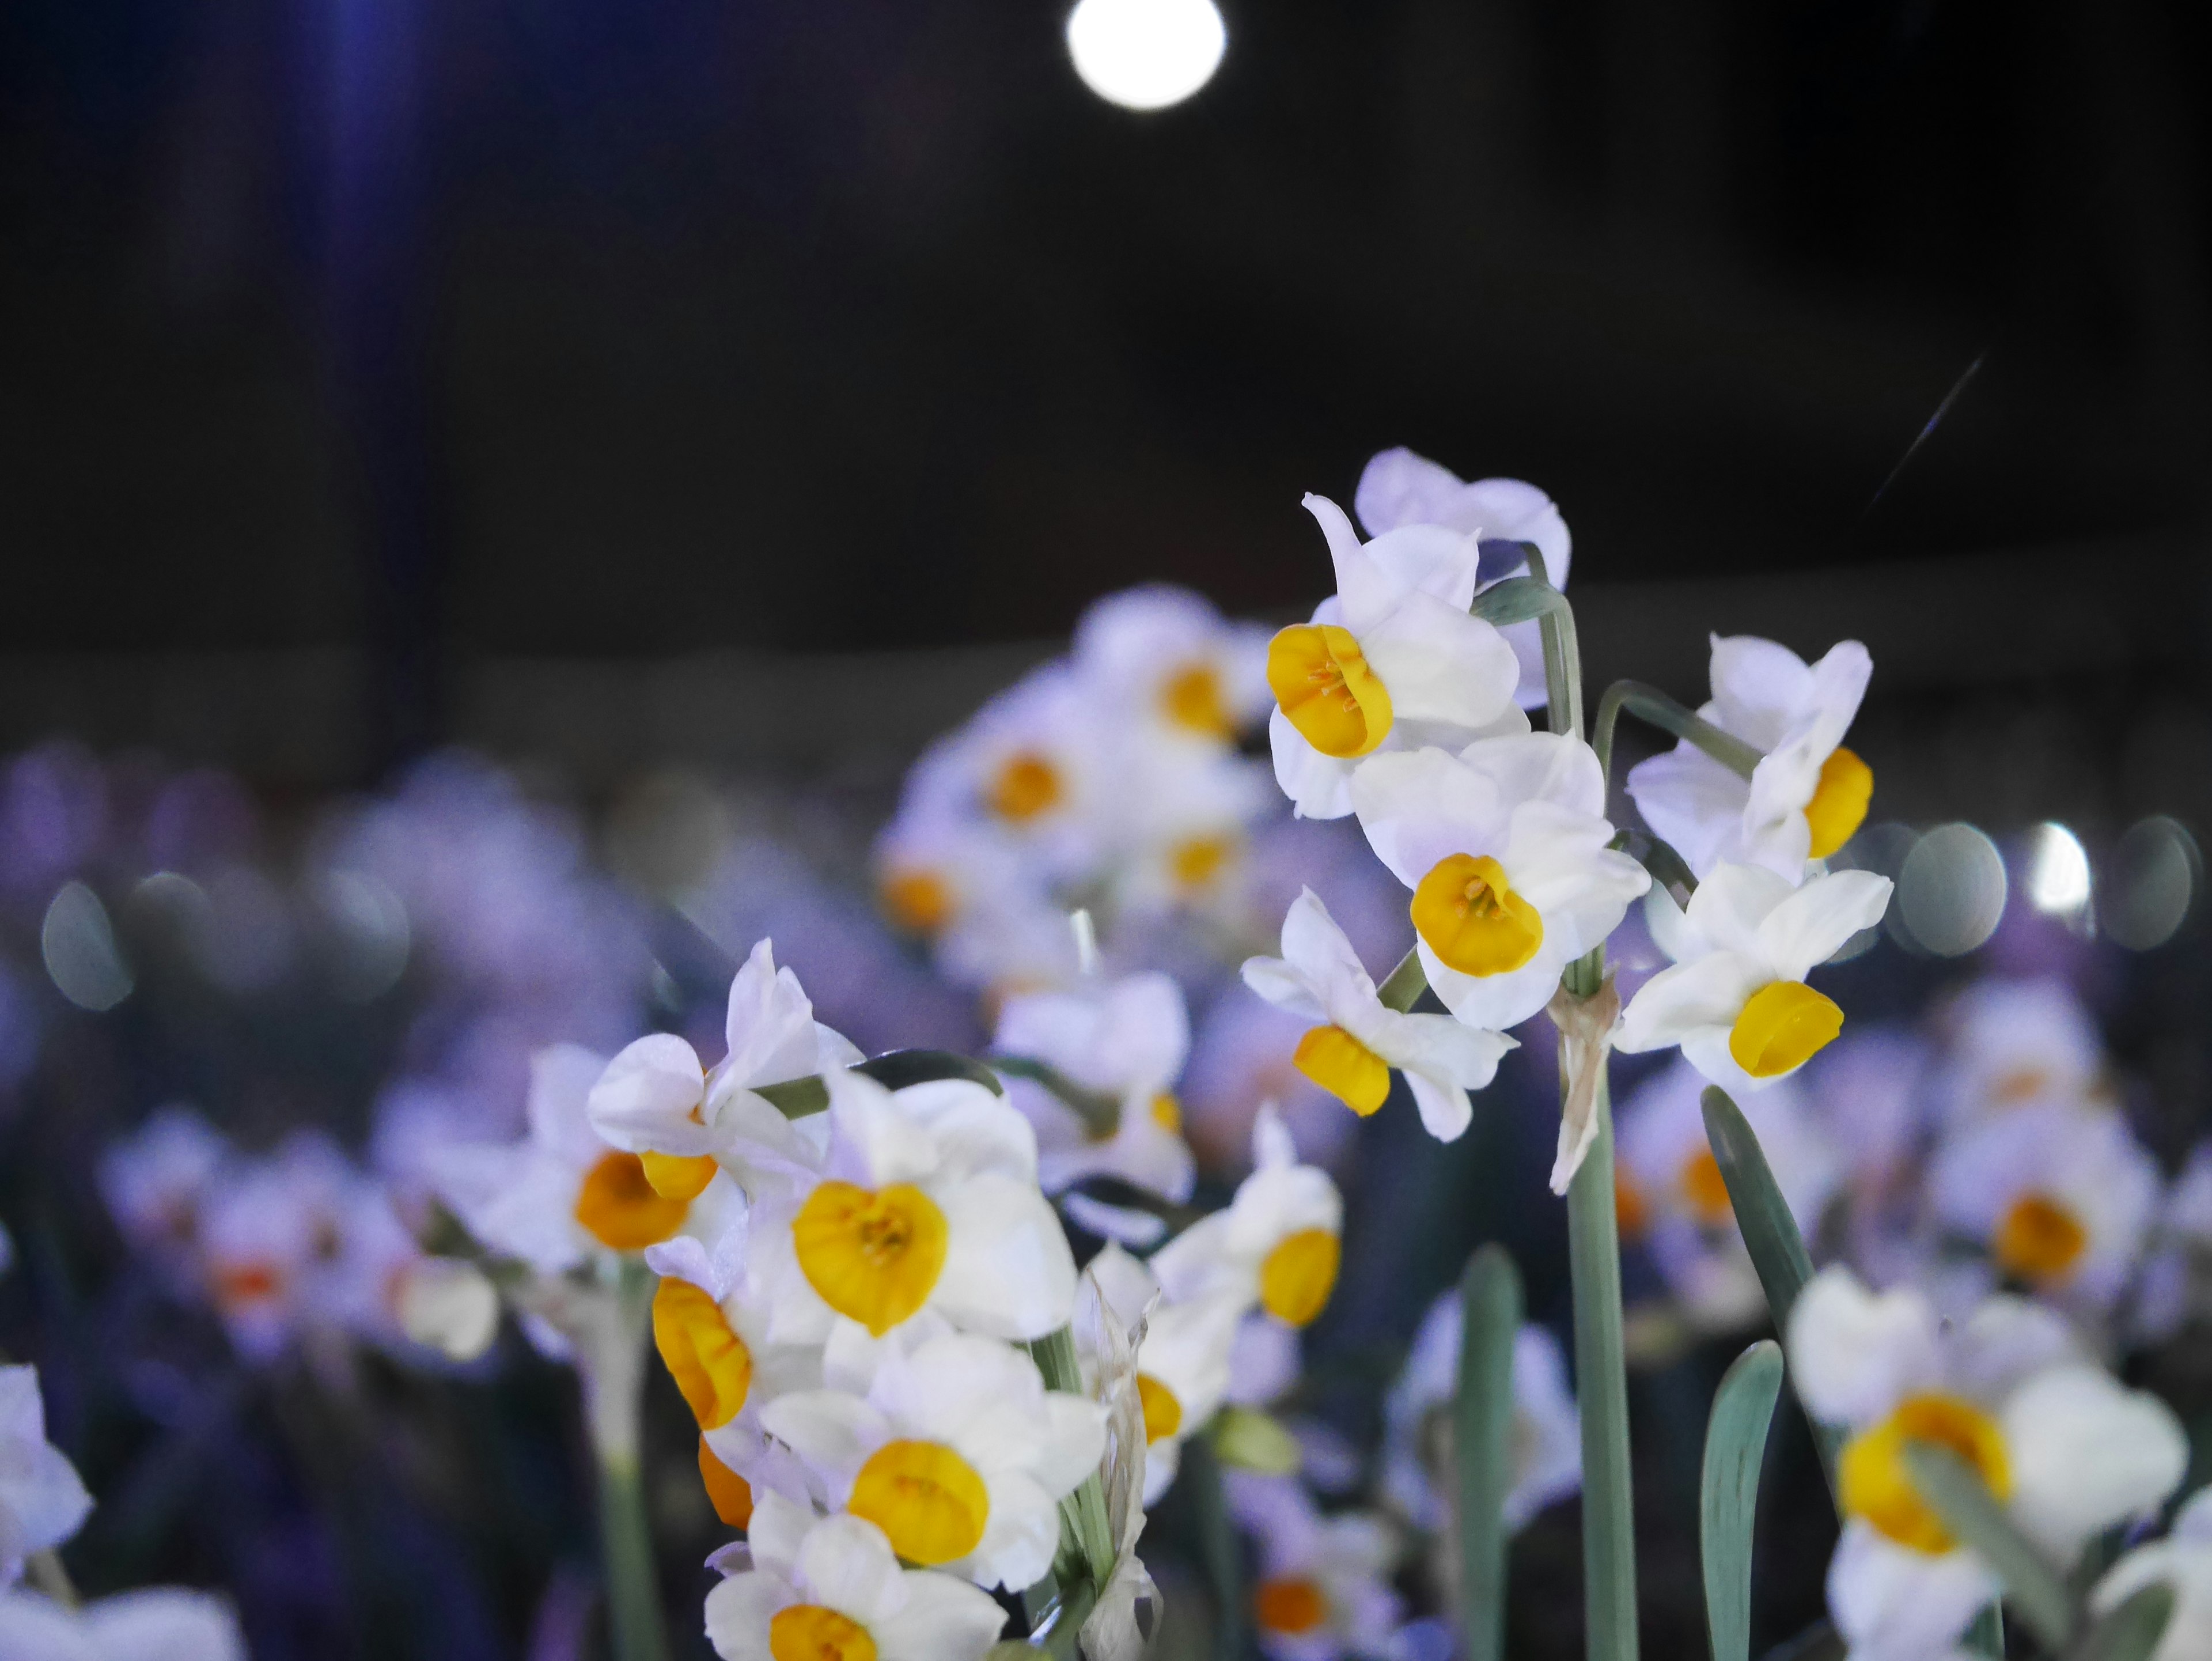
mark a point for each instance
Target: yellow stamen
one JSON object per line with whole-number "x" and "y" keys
{"x": 709, "y": 1362}
{"x": 1025, "y": 785}
{"x": 1840, "y": 801}
{"x": 678, "y": 1177}
{"x": 1782, "y": 1025}
{"x": 1298, "y": 1274}
{"x": 1167, "y": 1113}
{"x": 808, "y": 1631}
{"x": 730, "y": 1495}
{"x": 1345, "y": 1068}
{"x": 873, "y": 1256}
{"x": 1874, "y": 1482}
{"x": 2039, "y": 1238}
{"x": 926, "y": 1498}
{"x": 1191, "y": 698}
{"x": 1163, "y": 1408}
{"x": 1290, "y": 1604}
{"x": 919, "y": 902}
{"x": 1472, "y": 920}
{"x": 1198, "y": 861}
{"x": 1321, "y": 678}
{"x": 1707, "y": 1189}
{"x": 620, "y": 1209}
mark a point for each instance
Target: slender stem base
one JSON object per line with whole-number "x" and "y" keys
{"x": 613, "y": 1363}
{"x": 1602, "y": 1386}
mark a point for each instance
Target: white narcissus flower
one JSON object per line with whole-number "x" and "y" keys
{"x": 1807, "y": 794}
{"x": 1034, "y": 765}
{"x": 159, "y": 1623}
{"x": 42, "y": 1503}
{"x": 1546, "y": 1438}
{"x": 2065, "y": 1448}
{"x": 448, "y": 1304}
{"x": 1400, "y": 487}
{"x": 2062, "y": 1197}
{"x": 1277, "y": 1245}
{"x": 1324, "y": 1587}
{"x": 1504, "y": 847}
{"x": 1392, "y": 655}
{"x": 1737, "y": 1002}
{"x": 832, "y": 1587}
{"x": 657, "y": 1100}
{"x": 1182, "y": 1361}
{"x": 1320, "y": 978}
{"x": 958, "y": 1452}
{"x": 1165, "y": 655}
{"x": 929, "y": 1203}
{"x": 155, "y": 1180}
{"x": 2019, "y": 1043}
{"x": 1126, "y": 1040}
{"x": 2182, "y": 1560}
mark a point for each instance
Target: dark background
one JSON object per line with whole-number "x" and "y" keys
{"x": 354, "y": 353}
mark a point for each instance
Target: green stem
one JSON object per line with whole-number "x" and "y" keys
{"x": 1482, "y": 1446}
{"x": 1601, "y": 1387}
{"x": 614, "y": 1386}
{"x": 1084, "y": 1524}
{"x": 1201, "y": 1474}
{"x": 1403, "y": 987}
{"x": 1651, "y": 704}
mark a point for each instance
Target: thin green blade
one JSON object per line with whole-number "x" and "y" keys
{"x": 2130, "y": 1632}
{"x": 1972, "y": 1512}
{"x": 796, "y": 1098}
{"x": 1482, "y": 1445}
{"x": 1728, "y": 1497}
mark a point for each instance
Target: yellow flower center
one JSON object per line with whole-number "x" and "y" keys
{"x": 1191, "y": 698}
{"x": 874, "y": 1256}
{"x": 1025, "y": 785}
{"x": 1290, "y": 1604}
{"x": 1163, "y": 1408}
{"x": 1298, "y": 1274}
{"x": 709, "y": 1362}
{"x": 1321, "y": 678}
{"x": 678, "y": 1177}
{"x": 807, "y": 1632}
{"x": 1707, "y": 1189}
{"x": 1472, "y": 920}
{"x": 1167, "y": 1113}
{"x": 2038, "y": 1239}
{"x": 729, "y": 1494}
{"x": 1782, "y": 1025}
{"x": 620, "y": 1209}
{"x": 1345, "y": 1068}
{"x": 1875, "y": 1483}
{"x": 2022, "y": 1084}
{"x": 925, "y": 1498}
{"x": 1840, "y": 801}
{"x": 919, "y": 902}
{"x": 1197, "y": 861}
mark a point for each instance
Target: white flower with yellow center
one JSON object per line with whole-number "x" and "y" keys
{"x": 1504, "y": 847}
{"x": 1400, "y": 487}
{"x": 1124, "y": 1043}
{"x": 958, "y": 1452}
{"x": 657, "y": 1101}
{"x": 2016, "y": 1043}
{"x": 1181, "y": 822}
{"x": 1351, "y": 1053}
{"x": 803, "y": 1588}
{"x": 928, "y": 1202}
{"x": 1277, "y": 1245}
{"x": 1392, "y": 657}
{"x": 1323, "y": 1590}
{"x": 42, "y": 1503}
{"x": 1417, "y": 1451}
{"x": 1183, "y": 1363}
{"x": 2182, "y": 1560}
{"x": 1164, "y": 656}
{"x": 155, "y": 1180}
{"x": 561, "y": 1193}
{"x": 2061, "y": 1197}
{"x": 1670, "y": 1197}
{"x": 1807, "y": 794}
{"x": 1034, "y": 765}
{"x": 158, "y": 1623}
{"x": 1737, "y": 1002}
{"x": 2065, "y": 1448}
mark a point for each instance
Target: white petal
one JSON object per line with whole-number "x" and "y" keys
{"x": 769, "y": 1026}
{"x": 164, "y": 1623}
{"x": 738, "y": 1611}
{"x": 943, "y": 1619}
{"x": 1810, "y": 927}
{"x": 1892, "y": 1604}
{"x": 561, "y": 1078}
{"x": 1281, "y": 985}
{"x": 1418, "y": 806}
{"x": 644, "y": 1101}
{"x": 833, "y": 1433}
{"x": 779, "y": 1528}
{"x": 1440, "y": 664}
{"x": 1761, "y": 688}
{"x": 1319, "y": 951}
{"x": 1008, "y": 1270}
{"x": 1692, "y": 803}
{"x": 846, "y": 1564}
{"x": 1020, "y": 1535}
{"x": 1445, "y": 1109}
{"x": 1707, "y": 991}
{"x": 2088, "y": 1452}
{"x": 33, "y": 1629}
{"x": 1398, "y": 487}
{"x": 872, "y": 1142}
{"x": 1318, "y": 786}
{"x": 1854, "y": 1353}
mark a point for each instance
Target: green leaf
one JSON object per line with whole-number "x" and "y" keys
{"x": 1402, "y": 988}
{"x": 1728, "y": 1497}
{"x": 1972, "y": 1512}
{"x": 1251, "y": 1441}
{"x": 2130, "y": 1632}
{"x": 1200, "y": 1477}
{"x": 1986, "y": 1635}
{"x": 1084, "y": 1525}
{"x": 1770, "y": 1232}
{"x": 1818, "y": 1642}
{"x": 1482, "y": 1445}
{"x": 1100, "y": 1113}
{"x": 797, "y": 1099}
{"x": 1517, "y": 600}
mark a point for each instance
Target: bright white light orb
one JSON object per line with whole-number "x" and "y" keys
{"x": 1145, "y": 54}
{"x": 2057, "y": 871}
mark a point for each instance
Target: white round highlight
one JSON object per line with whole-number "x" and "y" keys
{"x": 1950, "y": 893}
{"x": 1145, "y": 54}
{"x": 2057, "y": 871}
